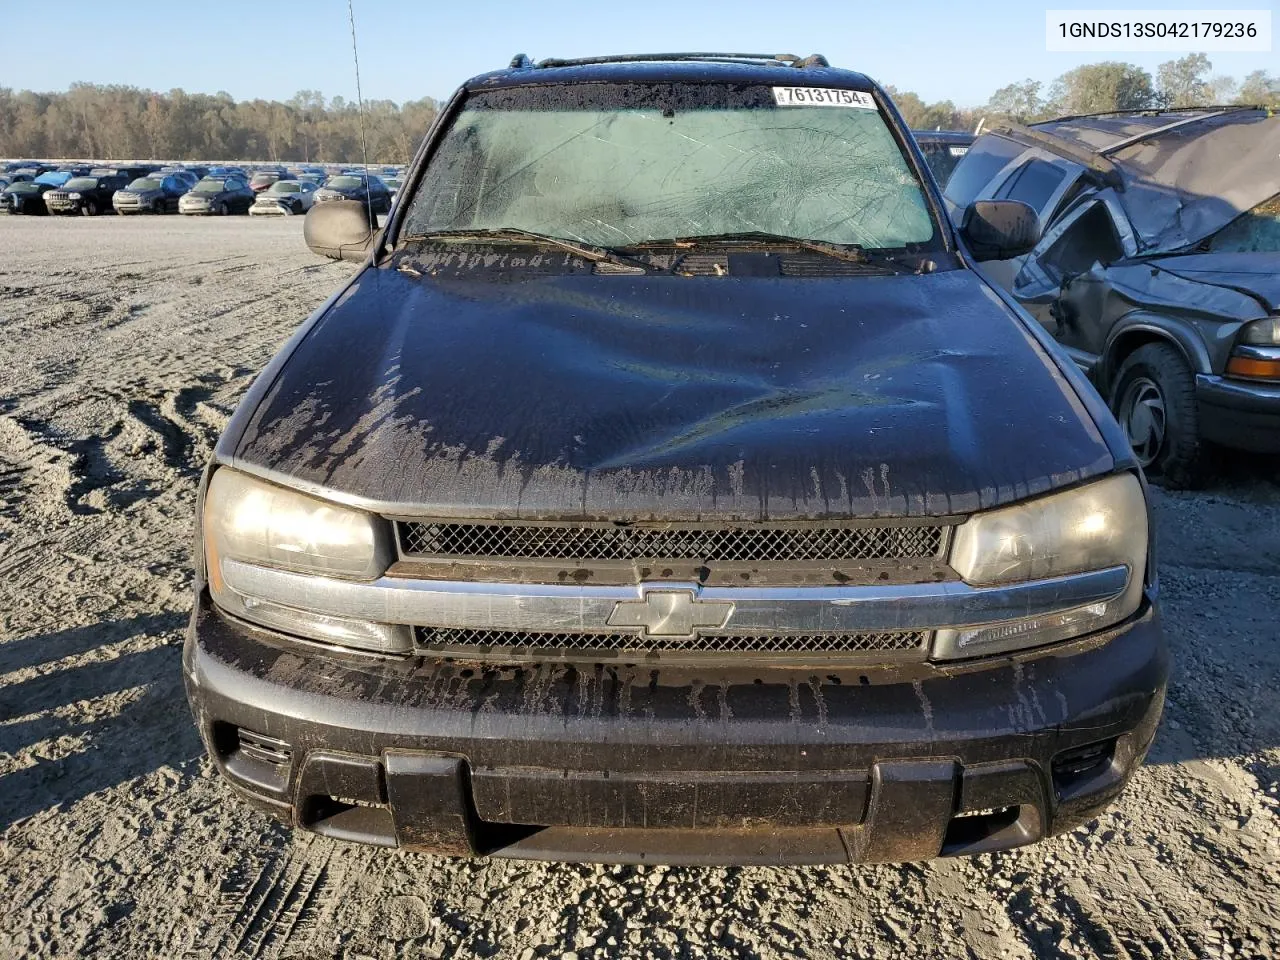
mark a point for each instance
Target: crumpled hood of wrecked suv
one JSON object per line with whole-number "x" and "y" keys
{"x": 670, "y": 397}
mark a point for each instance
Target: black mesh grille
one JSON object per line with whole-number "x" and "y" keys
{"x": 518, "y": 641}
{"x": 703, "y": 545}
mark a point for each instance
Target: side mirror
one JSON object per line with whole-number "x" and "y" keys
{"x": 340, "y": 230}
{"x": 999, "y": 229}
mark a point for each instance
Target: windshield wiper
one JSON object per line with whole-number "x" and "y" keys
{"x": 588, "y": 250}
{"x": 851, "y": 252}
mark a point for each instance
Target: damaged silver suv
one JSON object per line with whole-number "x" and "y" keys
{"x": 1158, "y": 269}
{"x": 667, "y": 485}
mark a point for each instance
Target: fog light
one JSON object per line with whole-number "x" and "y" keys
{"x": 360, "y": 634}
{"x": 1024, "y": 634}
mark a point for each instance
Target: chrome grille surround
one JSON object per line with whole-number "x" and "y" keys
{"x": 676, "y": 622}
{"x": 745, "y": 543}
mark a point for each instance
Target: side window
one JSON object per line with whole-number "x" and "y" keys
{"x": 1090, "y": 239}
{"x": 1033, "y": 183}
{"x": 987, "y": 157}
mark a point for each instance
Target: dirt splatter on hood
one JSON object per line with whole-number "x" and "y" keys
{"x": 665, "y": 397}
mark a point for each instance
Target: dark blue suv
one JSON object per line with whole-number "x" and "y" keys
{"x": 667, "y": 485}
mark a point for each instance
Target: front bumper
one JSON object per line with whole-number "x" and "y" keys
{"x": 64, "y": 206}
{"x": 1240, "y": 414}
{"x": 636, "y": 764}
{"x": 138, "y": 205}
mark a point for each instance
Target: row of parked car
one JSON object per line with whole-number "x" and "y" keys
{"x": 87, "y": 191}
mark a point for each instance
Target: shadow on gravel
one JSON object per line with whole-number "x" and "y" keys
{"x": 151, "y": 731}
{"x": 1247, "y": 475}
{"x": 47, "y": 647}
{"x": 1218, "y": 550}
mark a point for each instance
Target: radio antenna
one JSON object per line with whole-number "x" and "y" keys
{"x": 364, "y": 143}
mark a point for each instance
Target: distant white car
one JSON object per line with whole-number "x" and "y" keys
{"x": 284, "y": 198}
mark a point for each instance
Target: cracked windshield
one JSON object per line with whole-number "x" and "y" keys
{"x": 618, "y": 175}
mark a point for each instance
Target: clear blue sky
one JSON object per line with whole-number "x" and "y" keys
{"x": 960, "y": 50}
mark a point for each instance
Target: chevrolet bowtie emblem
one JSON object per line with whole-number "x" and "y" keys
{"x": 670, "y": 613}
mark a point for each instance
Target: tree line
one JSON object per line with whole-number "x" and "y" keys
{"x": 113, "y": 122}
{"x": 1098, "y": 88}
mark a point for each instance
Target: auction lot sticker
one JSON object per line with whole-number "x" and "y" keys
{"x": 822, "y": 97}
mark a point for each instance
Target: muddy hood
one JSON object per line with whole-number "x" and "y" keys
{"x": 670, "y": 398}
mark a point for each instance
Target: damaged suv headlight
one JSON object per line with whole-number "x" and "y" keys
{"x": 1261, "y": 333}
{"x": 251, "y": 525}
{"x": 1096, "y": 527}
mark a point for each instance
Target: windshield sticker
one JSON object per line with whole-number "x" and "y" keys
{"x": 822, "y": 97}
{"x": 957, "y": 151}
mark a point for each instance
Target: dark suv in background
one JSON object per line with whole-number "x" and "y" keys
{"x": 154, "y": 193}
{"x": 218, "y": 196}
{"x": 667, "y": 485}
{"x": 942, "y": 150}
{"x": 1158, "y": 270}
{"x": 366, "y": 189}
{"x": 26, "y": 197}
{"x": 89, "y": 195}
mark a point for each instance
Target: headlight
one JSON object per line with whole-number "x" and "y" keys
{"x": 73, "y": 196}
{"x": 1095, "y": 527}
{"x": 1261, "y": 333}
{"x": 251, "y": 523}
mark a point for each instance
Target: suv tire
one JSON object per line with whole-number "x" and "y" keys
{"x": 1155, "y": 401}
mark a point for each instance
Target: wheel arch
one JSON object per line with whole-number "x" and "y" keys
{"x": 1137, "y": 330}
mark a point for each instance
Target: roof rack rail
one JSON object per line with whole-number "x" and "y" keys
{"x": 1151, "y": 112}
{"x": 1111, "y": 148}
{"x": 778, "y": 59}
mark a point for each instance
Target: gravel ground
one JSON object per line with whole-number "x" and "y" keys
{"x": 126, "y": 343}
